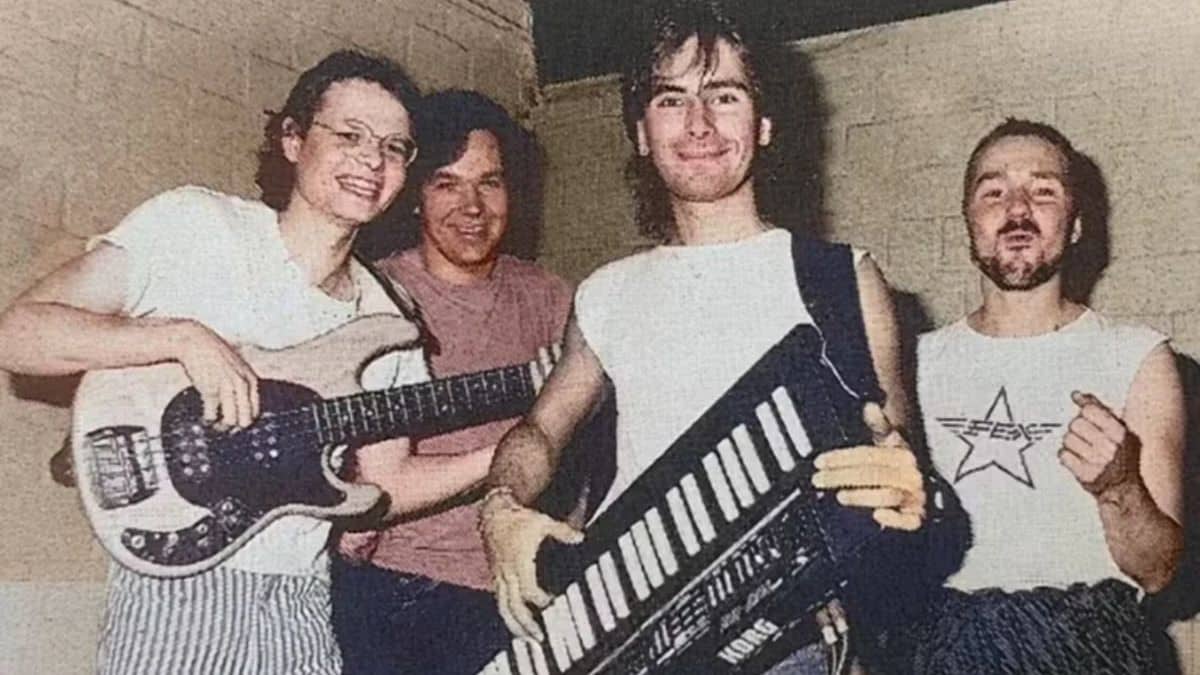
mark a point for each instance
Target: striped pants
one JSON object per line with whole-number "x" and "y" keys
{"x": 220, "y": 622}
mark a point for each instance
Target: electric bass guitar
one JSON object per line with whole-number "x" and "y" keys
{"x": 170, "y": 496}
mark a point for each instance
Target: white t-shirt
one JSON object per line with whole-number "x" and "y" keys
{"x": 199, "y": 254}
{"x": 995, "y": 413}
{"x": 675, "y": 326}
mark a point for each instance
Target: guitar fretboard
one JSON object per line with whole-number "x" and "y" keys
{"x": 425, "y": 408}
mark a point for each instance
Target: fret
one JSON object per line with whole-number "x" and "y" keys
{"x": 317, "y": 424}
{"x": 387, "y": 405}
{"x": 441, "y": 398}
{"x": 329, "y": 427}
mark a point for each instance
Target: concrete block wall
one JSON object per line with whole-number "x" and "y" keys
{"x": 903, "y": 105}
{"x": 107, "y": 102}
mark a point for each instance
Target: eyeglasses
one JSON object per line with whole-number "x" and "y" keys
{"x": 394, "y": 148}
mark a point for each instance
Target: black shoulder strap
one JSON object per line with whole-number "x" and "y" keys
{"x": 405, "y": 303}
{"x": 828, "y": 286}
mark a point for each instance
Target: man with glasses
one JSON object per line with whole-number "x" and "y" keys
{"x": 416, "y": 598}
{"x": 192, "y": 272}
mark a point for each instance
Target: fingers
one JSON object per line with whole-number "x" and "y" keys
{"x": 563, "y": 532}
{"x": 899, "y": 458}
{"x": 513, "y": 610}
{"x": 877, "y": 421}
{"x": 1099, "y": 415}
{"x": 873, "y": 498}
{"x": 899, "y": 520}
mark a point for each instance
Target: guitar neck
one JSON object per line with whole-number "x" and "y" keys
{"x": 427, "y": 408}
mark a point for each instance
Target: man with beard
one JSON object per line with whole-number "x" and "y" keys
{"x": 1062, "y": 431}
{"x": 675, "y": 326}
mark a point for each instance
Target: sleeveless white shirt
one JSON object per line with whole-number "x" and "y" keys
{"x": 675, "y": 326}
{"x": 995, "y": 412}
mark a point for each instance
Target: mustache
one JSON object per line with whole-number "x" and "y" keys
{"x": 1022, "y": 225}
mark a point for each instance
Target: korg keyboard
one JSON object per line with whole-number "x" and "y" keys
{"x": 721, "y": 550}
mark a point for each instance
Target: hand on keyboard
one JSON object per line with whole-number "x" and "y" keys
{"x": 512, "y": 534}
{"x": 884, "y": 476}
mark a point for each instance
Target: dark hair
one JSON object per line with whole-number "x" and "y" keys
{"x": 276, "y": 175}
{"x": 443, "y": 123}
{"x": 1013, "y": 127}
{"x": 671, "y": 25}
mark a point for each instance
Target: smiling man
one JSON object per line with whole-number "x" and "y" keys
{"x": 1062, "y": 431}
{"x": 416, "y": 598}
{"x": 192, "y": 273}
{"x": 674, "y": 327}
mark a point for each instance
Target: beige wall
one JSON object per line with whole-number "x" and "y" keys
{"x": 107, "y": 102}
{"x": 904, "y": 103}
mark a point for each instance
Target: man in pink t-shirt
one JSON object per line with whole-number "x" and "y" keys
{"x": 416, "y": 597}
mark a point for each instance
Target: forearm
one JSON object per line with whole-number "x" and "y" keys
{"x": 419, "y": 482}
{"x": 1145, "y": 543}
{"x": 525, "y": 462}
{"x": 46, "y": 338}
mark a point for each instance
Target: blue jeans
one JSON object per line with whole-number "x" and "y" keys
{"x": 405, "y": 624}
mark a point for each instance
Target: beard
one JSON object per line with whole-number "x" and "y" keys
{"x": 1017, "y": 274}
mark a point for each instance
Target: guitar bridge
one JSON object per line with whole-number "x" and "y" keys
{"x": 122, "y": 466}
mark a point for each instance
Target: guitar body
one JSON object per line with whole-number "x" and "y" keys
{"x": 168, "y": 496}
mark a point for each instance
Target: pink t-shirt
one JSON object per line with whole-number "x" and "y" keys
{"x": 498, "y": 322}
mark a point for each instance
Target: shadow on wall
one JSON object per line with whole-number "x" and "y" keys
{"x": 1086, "y": 261}
{"x": 790, "y": 179}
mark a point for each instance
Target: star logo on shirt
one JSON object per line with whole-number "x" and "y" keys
{"x": 997, "y": 441}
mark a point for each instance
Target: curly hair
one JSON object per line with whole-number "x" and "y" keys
{"x": 276, "y": 175}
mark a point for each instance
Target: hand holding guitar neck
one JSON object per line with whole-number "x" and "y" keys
{"x": 227, "y": 384}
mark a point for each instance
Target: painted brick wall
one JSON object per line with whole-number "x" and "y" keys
{"x": 902, "y": 105}
{"x": 107, "y": 102}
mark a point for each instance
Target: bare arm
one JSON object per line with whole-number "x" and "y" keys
{"x": 525, "y": 461}
{"x": 885, "y": 476}
{"x": 1134, "y": 468}
{"x": 418, "y": 482}
{"x": 70, "y": 322}
{"x": 528, "y": 455}
{"x": 883, "y": 338}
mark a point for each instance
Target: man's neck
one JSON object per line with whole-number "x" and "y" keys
{"x": 318, "y": 247}
{"x": 446, "y": 270}
{"x": 728, "y": 219}
{"x": 1036, "y": 311}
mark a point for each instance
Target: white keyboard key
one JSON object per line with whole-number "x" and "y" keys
{"x": 537, "y": 655}
{"x": 683, "y": 522}
{"x": 599, "y": 595}
{"x": 521, "y": 650}
{"x": 560, "y": 633}
{"x": 695, "y": 502}
{"x": 612, "y": 582}
{"x": 662, "y": 543}
{"x": 645, "y": 550}
{"x": 770, "y": 427}
{"x": 791, "y": 422}
{"x": 633, "y": 567}
{"x": 733, "y": 470}
{"x": 720, "y": 486}
{"x": 492, "y": 668}
{"x": 749, "y": 454}
{"x": 583, "y": 624}
{"x": 503, "y": 667}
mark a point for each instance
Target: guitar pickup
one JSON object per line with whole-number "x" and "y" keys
{"x": 122, "y": 468}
